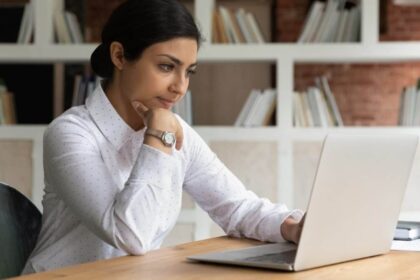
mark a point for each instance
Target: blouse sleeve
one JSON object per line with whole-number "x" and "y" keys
{"x": 239, "y": 212}
{"x": 128, "y": 217}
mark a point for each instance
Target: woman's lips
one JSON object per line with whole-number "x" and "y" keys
{"x": 166, "y": 103}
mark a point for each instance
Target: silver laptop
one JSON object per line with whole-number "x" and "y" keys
{"x": 353, "y": 210}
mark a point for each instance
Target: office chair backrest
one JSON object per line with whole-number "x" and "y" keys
{"x": 20, "y": 223}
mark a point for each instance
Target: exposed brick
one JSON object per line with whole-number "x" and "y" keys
{"x": 367, "y": 94}
{"x": 402, "y": 22}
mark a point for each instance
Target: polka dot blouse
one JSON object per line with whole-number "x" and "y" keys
{"x": 107, "y": 194}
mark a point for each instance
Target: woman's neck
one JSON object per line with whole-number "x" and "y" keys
{"x": 122, "y": 105}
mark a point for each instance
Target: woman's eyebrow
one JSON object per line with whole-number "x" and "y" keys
{"x": 176, "y": 60}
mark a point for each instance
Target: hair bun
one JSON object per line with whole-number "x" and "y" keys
{"x": 101, "y": 63}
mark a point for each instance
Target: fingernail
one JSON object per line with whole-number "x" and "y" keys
{"x": 135, "y": 104}
{"x": 138, "y": 106}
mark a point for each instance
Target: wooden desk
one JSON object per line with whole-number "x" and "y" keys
{"x": 171, "y": 263}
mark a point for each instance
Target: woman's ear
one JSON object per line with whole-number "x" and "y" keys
{"x": 116, "y": 50}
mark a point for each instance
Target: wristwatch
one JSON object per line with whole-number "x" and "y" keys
{"x": 167, "y": 138}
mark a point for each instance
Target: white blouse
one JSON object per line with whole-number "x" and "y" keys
{"x": 107, "y": 194}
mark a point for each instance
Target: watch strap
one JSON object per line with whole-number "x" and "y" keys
{"x": 154, "y": 132}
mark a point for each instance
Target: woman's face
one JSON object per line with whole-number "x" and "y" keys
{"x": 160, "y": 77}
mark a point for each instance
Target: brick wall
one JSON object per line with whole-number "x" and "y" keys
{"x": 399, "y": 23}
{"x": 367, "y": 94}
{"x": 290, "y": 17}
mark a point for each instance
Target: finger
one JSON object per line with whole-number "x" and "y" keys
{"x": 179, "y": 137}
{"x": 302, "y": 221}
{"x": 140, "y": 109}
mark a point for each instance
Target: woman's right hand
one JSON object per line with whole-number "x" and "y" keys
{"x": 161, "y": 119}
{"x": 291, "y": 229}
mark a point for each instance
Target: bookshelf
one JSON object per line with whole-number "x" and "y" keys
{"x": 282, "y": 56}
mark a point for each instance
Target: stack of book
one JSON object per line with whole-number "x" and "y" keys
{"x": 409, "y": 114}
{"x": 407, "y": 230}
{"x": 67, "y": 28}
{"x": 235, "y": 27}
{"x": 316, "y": 107}
{"x": 332, "y": 21}
{"x": 7, "y": 105}
{"x": 258, "y": 108}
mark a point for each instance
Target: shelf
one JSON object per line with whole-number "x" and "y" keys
{"x": 325, "y": 53}
{"x": 410, "y": 216}
{"x": 45, "y": 54}
{"x": 328, "y": 53}
{"x": 318, "y": 134}
{"x": 230, "y": 133}
{"x": 21, "y": 131}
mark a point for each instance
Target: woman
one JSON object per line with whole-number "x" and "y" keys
{"x": 116, "y": 167}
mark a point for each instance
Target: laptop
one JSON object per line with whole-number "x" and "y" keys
{"x": 353, "y": 209}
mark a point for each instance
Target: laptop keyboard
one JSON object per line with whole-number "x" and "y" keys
{"x": 283, "y": 257}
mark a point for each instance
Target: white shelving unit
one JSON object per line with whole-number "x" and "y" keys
{"x": 283, "y": 55}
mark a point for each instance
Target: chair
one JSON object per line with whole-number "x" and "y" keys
{"x": 20, "y": 223}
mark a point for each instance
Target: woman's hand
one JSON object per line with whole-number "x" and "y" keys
{"x": 161, "y": 119}
{"x": 291, "y": 229}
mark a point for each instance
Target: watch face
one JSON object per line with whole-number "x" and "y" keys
{"x": 169, "y": 138}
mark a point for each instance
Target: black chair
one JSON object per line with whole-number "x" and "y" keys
{"x": 20, "y": 223}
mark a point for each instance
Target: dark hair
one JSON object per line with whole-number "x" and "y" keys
{"x": 138, "y": 24}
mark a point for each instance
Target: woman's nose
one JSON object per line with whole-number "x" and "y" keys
{"x": 180, "y": 84}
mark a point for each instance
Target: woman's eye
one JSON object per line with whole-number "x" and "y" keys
{"x": 191, "y": 72}
{"x": 166, "y": 67}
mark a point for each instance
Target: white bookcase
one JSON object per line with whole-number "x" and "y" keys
{"x": 283, "y": 55}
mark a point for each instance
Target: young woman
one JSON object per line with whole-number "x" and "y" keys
{"x": 115, "y": 168}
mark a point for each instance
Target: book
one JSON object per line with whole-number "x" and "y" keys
{"x": 73, "y": 27}
{"x": 299, "y": 119}
{"x": 27, "y": 25}
{"x": 332, "y": 15}
{"x": 253, "y": 110}
{"x": 215, "y": 33}
{"x": 9, "y": 112}
{"x": 228, "y": 25}
{"x": 265, "y": 108}
{"x": 323, "y": 81}
{"x": 3, "y": 90}
{"x": 61, "y": 28}
{"x": 312, "y": 21}
{"x": 255, "y": 29}
{"x": 407, "y": 230}
{"x": 339, "y": 36}
{"x": 246, "y": 107}
{"x": 237, "y": 30}
{"x": 326, "y": 19}
{"x": 244, "y": 27}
